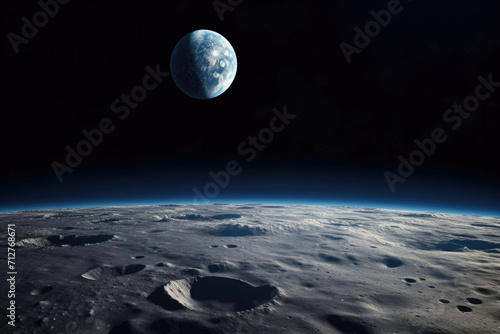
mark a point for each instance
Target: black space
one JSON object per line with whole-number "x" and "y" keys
{"x": 358, "y": 116}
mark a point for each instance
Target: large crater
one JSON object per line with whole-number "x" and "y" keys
{"x": 212, "y": 294}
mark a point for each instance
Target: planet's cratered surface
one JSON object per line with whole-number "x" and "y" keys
{"x": 203, "y": 64}
{"x": 254, "y": 269}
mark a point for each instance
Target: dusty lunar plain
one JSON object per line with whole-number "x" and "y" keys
{"x": 253, "y": 269}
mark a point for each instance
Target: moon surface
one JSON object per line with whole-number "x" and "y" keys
{"x": 254, "y": 269}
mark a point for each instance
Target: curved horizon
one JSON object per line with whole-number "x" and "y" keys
{"x": 424, "y": 208}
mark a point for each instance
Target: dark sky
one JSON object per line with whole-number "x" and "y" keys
{"x": 353, "y": 119}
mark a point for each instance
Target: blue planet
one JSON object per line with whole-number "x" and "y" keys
{"x": 203, "y": 64}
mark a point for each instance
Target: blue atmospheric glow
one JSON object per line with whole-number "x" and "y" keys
{"x": 269, "y": 201}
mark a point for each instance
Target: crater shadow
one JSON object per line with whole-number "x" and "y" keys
{"x": 485, "y": 225}
{"x": 74, "y": 240}
{"x": 192, "y": 217}
{"x": 392, "y": 262}
{"x": 42, "y": 291}
{"x": 348, "y": 325}
{"x": 330, "y": 258}
{"x": 226, "y": 216}
{"x": 456, "y": 245}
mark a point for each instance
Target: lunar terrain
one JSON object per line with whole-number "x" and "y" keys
{"x": 253, "y": 269}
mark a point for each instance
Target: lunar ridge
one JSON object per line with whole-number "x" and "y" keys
{"x": 254, "y": 268}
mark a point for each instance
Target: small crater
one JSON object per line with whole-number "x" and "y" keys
{"x": 330, "y": 258}
{"x": 75, "y": 240}
{"x": 192, "y": 217}
{"x": 162, "y": 264}
{"x": 392, "y": 262}
{"x": 444, "y": 301}
{"x": 348, "y": 324}
{"x": 231, "y": 246}
{"x": 108, "y": 271}
{"x": 352, "y": 258}
{"x": 474, "y": 301}
{"x": 137, "y": 257}
{"x": 41, "y": 291}
{"x": 464, "y": 309}
{"x": 410, "y": 280}
{"x": 226, "y": 216}
{"x": 459, "y": 245}
{"x": 214, "y": 246}
{"x": 484, "y": 291}
{"x": 332, "y": 237}
{"x": 157, "y": 231}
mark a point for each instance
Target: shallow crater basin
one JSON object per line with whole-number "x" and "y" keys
{"x": 212, "y": 294}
